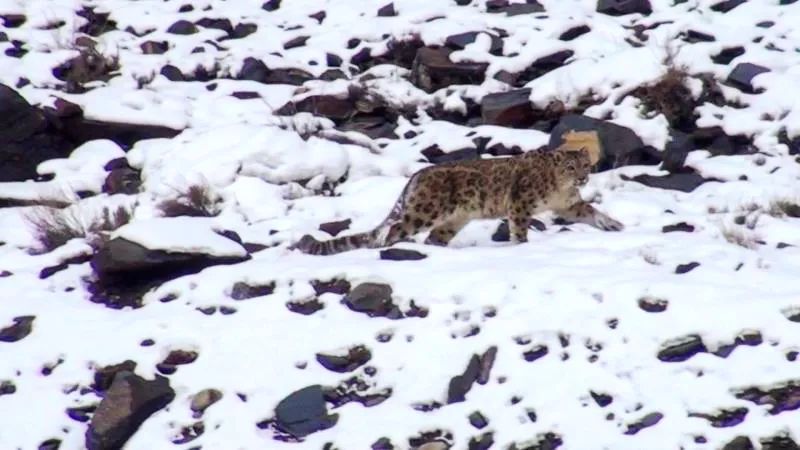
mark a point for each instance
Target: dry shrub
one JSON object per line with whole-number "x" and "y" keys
{"x": 738, "y": 236}
{"x": 669, "y": 95}
{"x": 197, "y": 200}
{"x": 781, "y": 208}
{"x": 89, "y": 65}
{"x": 55, "y": 227}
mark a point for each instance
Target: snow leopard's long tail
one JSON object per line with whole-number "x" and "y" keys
{"x": 380, "y": 236}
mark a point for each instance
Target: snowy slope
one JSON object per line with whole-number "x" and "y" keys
{"x": 584, "y": 295}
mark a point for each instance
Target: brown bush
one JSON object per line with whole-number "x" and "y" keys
{"x": 54, "y": 227}
{"x": 197, "y": 200}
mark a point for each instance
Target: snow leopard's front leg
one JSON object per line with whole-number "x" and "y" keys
{"x": 583, "y": 212}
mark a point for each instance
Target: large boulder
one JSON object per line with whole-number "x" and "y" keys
{"x": 433, "y": 69}
{"x": 129, "y": 401}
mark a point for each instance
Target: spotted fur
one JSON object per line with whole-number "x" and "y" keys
{"x": 443, "y": 198}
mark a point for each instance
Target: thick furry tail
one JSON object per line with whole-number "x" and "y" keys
{"x": 378, "y": 237}
{"x": 309, "y": 244}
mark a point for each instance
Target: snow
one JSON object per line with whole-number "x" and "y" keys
{"x": 274, "y": 175}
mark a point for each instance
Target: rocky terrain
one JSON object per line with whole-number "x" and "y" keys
{"x": 157, "y": 159}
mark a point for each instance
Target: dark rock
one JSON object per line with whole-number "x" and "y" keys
{"x": 675, "y": 152}
{"x": 779, "y": 399}
{"x": 432, "y": 70}
{"x": 514, "y": 9}
{"x": 96, "y": 23}
{"x": 203, "y": 400}
{"x": 743, "y": 74}
{"x": 304, "y": 412}
{"x": 122, "y": 256}
{"x": 218, "y": 24}
{"x": 536, "y": 352}
{"x": 793, "y": 143}
{"x": 243, "y": 30}
{"x": 780, "y": 442}
{"x": 653, "y": 304}
{"x": 694, "y": 36}
{"x": 271, "y": 5}
{"x": 623, "y": 7}
{"x": 13, "y": 20}
{"x": 601, "y": 399}
{"x": 620, "y": 145}
{"x": 726, "y": 5}
{"x": 510, "y": 109}
{"x": 334, "y": 108}
{"x": 387, "y": 10}
{"x": 749, "y": 339}
{"x": 254, "y": 70}
{"x": 461, "y": 40}
{"x": 542, "y": 66}
{"x": 126, "y": 405}
{"x": 478, "y": 420}
{"x": 356, "y": 357}
{"x": 374, "y": 299}
{"x": 49, "y": 271}
{"x": 401, "y": 254}
{"x": 180, "y": 357}
{"x": 122, "y": 181}
{"x": 726, "y": 55}
{"x": 739, "y": 443}
{"x": 22, "y": 327}
{"x": 172, "y": 73}
{"x": 334, "y": 228}
{"x": 335, "y": 286}
{"x": 645, "y": 422}
{"x": 299, "y": 41}
{"x": 154, "y": 47}
{"x": 723, "y": 418}
{"x": 333, "y": 60}
{"x": 244, "y": 291}
{"x": 682, "y": 349}
{"x": 435, "y": 155}
{"x": 7, "y": 387}
{"x": 183, "y": 27}
{"x": 574, "y": 32}
{"x": 50, "y": 444}
{"x": 461, "y": 384}
{"x": 104, "y": 376}
{"x": 684, "y": 182}
{"x": 319, "y": 16}
{"x": 486, "y": 364}
{"x": 81, "y": 414}
{"x": 680, "y": 226}
{"x": 685, "y": 268}
{"x": 373, "y": 126}
{"x": 245, "y": 95}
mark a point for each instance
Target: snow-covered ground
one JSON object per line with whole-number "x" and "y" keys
{"x": 582, "y": 294}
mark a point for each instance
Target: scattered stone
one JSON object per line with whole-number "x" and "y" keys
{"x": 482, "y": 442}
{"x": 129, "y": 401}
{"x": 653, "y": 305}
{"x": 751, "y": 338}
{"x": 244, "y": 291}
{"x": 374, "y": 299}
{"x": 203, "y": 399}
{"x": 356, "y": 389}
{"x": 645, "y": 422}
{"x": 432, "y": 70}
{"x": 683, "y": 182}
{"x": 13, "y": 20}
{"x": 486, "y": 364}
{"x": 623, "y": 7}
{"x": 7, "y": 387}
{"x": 81, "y": 414}
{"x": 536, "y": 352}
{"x": 304, "y": 412}
{"x": 387, "y": 11}
{"x": 183, "y": 27}
{"x": 478, "y": 420}
{"x": 154, "y": 47}
{"x": 435, "y": 154}
{"x": 104, "y": 376}
{"x": 334, "y": 108}
{"x": 299, "y": 41}
{"x": 176, "y": 358}
{"x": 686, "y": 268}
{"x": 574, "y": 32}
{"x": 22, "y": 327}
{"x": 335, "y": 286}
{"x": 461, "y": 40}
{"x": 726, "y": 55}
{"x": 601, "y": 399}
{"x": 723, "y": 418}
{"x": 785, "y": 397}
{"x": 401, "y": 254}
{"x": 680, "y": 226}
{"x": 461, "y": 384}
{"x": 509, "y": 109}
{"x": 743, "y": 74}
{"x": 334, "y": 228}
{"x": 271, "y": 5}
{"x": 726, "y": 5}
{"x": 739, "y": 443}
{"x": 383, "y": 443}
{"x": 356, "y": 357}
{"x": 780, "y": 442}
{"x": 682, "y": 349}
{"x": 218, "y": 24}
{"x": 50, "y": 444}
